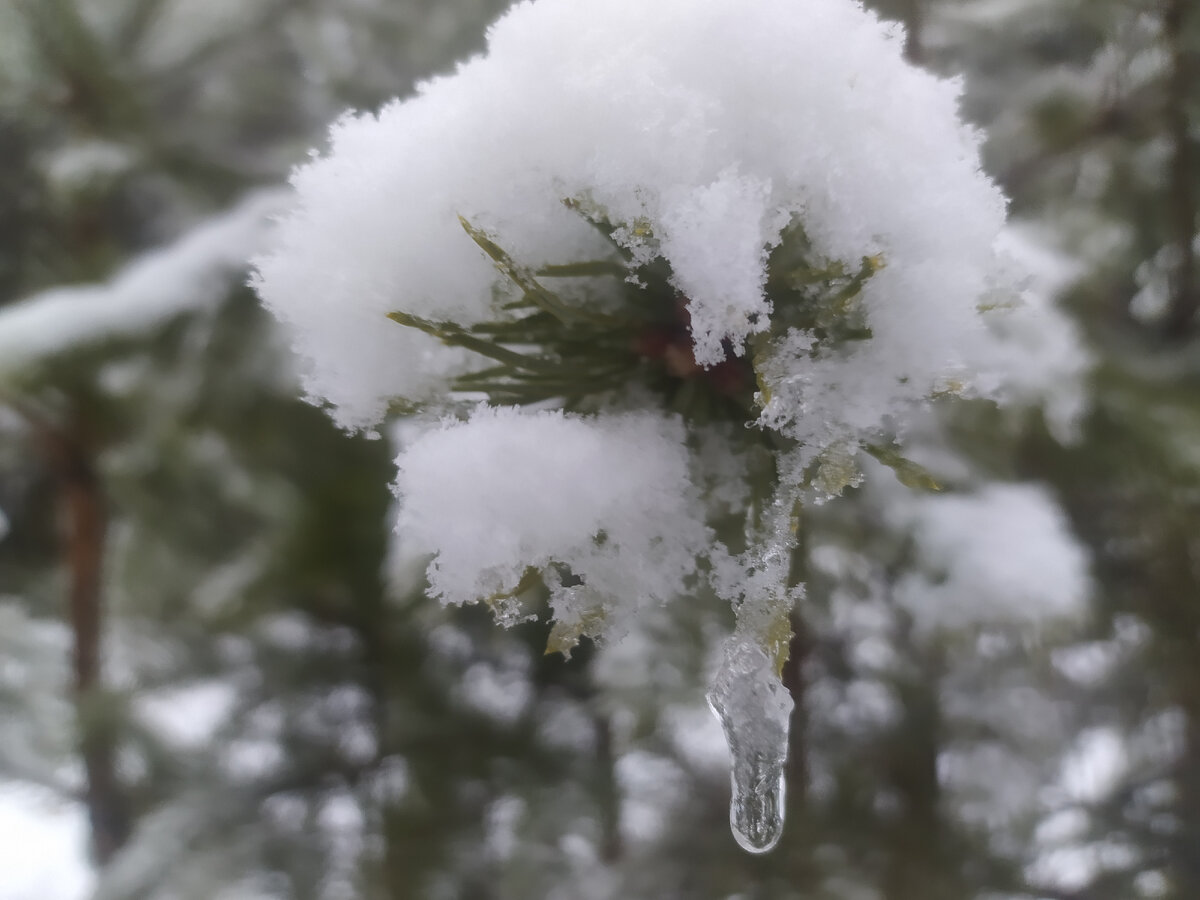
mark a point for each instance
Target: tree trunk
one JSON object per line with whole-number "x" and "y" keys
{"x": 84, "y": 524}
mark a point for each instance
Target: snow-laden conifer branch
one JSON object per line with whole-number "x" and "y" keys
{"x": 192, "y": 272}
{"x": 804, "y": 251}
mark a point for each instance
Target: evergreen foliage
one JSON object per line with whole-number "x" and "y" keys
{"x": 212, "y": 650}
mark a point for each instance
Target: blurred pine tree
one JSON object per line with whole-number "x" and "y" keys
{"x": 1091, "y": 108}
{"x": 204, "y": 639}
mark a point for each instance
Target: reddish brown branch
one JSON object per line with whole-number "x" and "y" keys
{"x": 84, "y": 520}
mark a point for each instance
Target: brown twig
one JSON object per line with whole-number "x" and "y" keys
{"x": 84, "y": 519}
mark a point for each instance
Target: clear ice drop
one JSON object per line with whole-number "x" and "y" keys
{"x": 753, "y": 708}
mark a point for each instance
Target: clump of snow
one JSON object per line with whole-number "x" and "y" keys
{"x": 704, "y": 129}
{"x": 500, "y": 689}
{"x": 1004, "y": 554}
{"x": 80, "y": 165}
{"x": 1152, "y": 301}
{"x": 607, "y": 496}
{"x": 188, "y": 716}
{"x": 1039, "y": 355}
{"x": 651, "y": 786}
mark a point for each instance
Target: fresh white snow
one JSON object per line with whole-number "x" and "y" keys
{"x": 704, "y": 130}
{"x": 608, "y": 496}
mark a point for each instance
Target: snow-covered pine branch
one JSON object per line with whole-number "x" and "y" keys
{"x": 194, "y": 271}
{"x": 657, "y": 227}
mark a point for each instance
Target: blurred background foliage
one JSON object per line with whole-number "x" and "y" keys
{"x": 212, "y": 657}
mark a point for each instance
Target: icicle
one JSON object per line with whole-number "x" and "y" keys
{"x": 747, "y": 696}
{"x": 753, "y": 708}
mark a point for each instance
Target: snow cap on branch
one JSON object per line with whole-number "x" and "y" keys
{"x": 705, "y": 131}
{"x": 1002, "y": 555}
{"x": 607, "y": 497}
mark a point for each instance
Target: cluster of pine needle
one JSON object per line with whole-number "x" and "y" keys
{"x": 546, "y": 348}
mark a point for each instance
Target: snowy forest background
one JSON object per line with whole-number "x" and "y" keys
{"x": 218, "y": 679}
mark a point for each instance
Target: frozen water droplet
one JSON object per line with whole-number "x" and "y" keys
{"x": 756, "y": 809}
{"x": 753, "y": 708}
